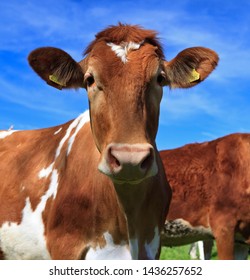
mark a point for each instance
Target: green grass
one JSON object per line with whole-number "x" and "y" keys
{"x": 175, "y": 253}
{"x": 180, "y": 253}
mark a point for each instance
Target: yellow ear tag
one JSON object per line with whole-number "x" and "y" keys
{"x": 55, "y": 80}
{"x": 195, "y": 76}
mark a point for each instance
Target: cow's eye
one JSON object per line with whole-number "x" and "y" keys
{"x": 88, "y": 80}
{"x": 161, "y": 79}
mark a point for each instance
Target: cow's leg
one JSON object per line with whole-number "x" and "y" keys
{"x": 224, "y": 238}
{"x": 193, "y": 251}
{"x": 1, "y": 255}
{"x": 225, "y": 248}
{"x": 223, "y": 228}
{"x": 201, "y": 250}
{"x": 207, "y": 246}
{"x": 240, "y": 251}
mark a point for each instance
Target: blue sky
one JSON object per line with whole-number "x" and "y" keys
{"x": 218, "y": 106}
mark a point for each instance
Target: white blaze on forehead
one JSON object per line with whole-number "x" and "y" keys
{"x": 4, "y": 134}
{"x": 110, "y": 251}
{"x": 124, "y": 48}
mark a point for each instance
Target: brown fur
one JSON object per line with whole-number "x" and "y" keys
{"x": 127, "y": 33}
{"x": 211, "y": 188}
{"x": 124, "y": 103}
{"x": 85, "y": 207}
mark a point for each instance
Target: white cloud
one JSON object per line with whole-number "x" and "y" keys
{"x": 180, "y": 104}
{"x": 25, "y": 23}
{"x": 41, "y": 99}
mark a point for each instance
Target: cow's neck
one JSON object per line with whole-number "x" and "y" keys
{"x": 143, "y": 226}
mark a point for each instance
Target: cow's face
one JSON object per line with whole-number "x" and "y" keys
{"x": 124, "y": 96}
{"x": 124, "y": 75}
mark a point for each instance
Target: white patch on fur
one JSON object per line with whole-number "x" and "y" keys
{"x": 110, "y": 251}
{"x": 78, "y": 124}
{"x": 4, "y": 134}
{"x": 153, "y": 247}
{"x": 84, "y": 118}
{"x": 58, "y": 131}
{"x": 26, "y": 240}
{"x": 45, "y": 172}
{"x": 52, "y": 190}
{"x": 123, "y": 49}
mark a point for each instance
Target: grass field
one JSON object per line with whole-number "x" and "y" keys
{"x": 181, "y": 253}
{"x": 175, "y": 253}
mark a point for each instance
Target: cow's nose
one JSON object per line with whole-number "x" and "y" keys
{"x": 129, "y": 162}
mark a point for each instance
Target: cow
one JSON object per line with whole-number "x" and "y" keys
{"x": 201, "y": 250}
{"x": 210, "y": 184}
{"x": 95, "y": 187}
{"x": 204, "y": 250}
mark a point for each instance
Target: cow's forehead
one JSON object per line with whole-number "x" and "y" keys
{"x": 127, "y": 60}
{"x": 122, "y": 34}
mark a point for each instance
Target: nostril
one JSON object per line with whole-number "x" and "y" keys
{"x": 113, "y": 161}
{"x": 147, "y": 162}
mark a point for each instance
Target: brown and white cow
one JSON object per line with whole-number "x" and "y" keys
{"x": 210, "y": 195}
{"x": 95, "y": 190}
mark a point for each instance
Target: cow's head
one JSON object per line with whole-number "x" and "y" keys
{"x": 124, "y": 72}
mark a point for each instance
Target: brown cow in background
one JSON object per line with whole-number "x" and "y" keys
{"x": 210, "y": 194}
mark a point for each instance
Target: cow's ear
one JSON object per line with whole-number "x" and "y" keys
{"x": 190, "y": 67}
{"x": 57, "y": 67}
